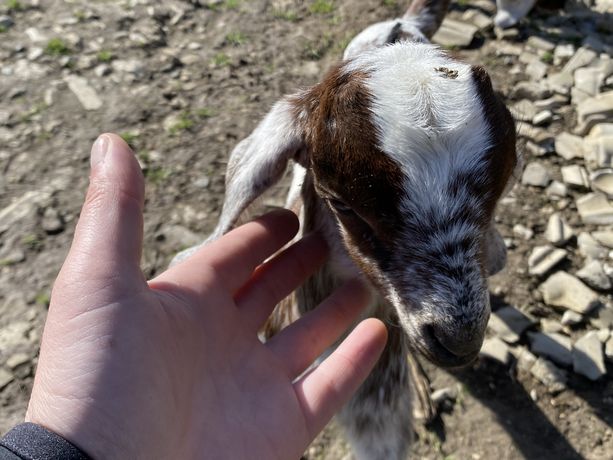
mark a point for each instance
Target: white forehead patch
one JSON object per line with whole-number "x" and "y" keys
{"x": 428, "y": 115}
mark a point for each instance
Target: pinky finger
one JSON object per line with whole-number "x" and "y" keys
{"x": 324, "y": 390}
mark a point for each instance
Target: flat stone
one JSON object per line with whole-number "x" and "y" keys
{"x": 593, "y": 275}
{"x": 594, "y": 208}
{"x": 552, "y": 103}
{"x": 602, "y": 181}
{"x": 558, "y": 232}
{"x": 544, "y": 117}
{"x": 551, "y": 345}
{"x": 535, "y": 149}
{"x": 603, "y": 335}
{"x": 588, "y": 356}
{"x": 604, "y": 237}
{"x": 87, "y": 96}
{"x": 557, "y": 188}
{"x": 582, "y": 57}
{"x": 593, "y": 111}
{"x": 52, "y": 223}
{"x": 571, "y": 318}
{"x": 16, "y": 360}
{"x": 524, "y": 110}
{"x": 541, "y": 44}
{"x": 549, "y": 375}
{"x": 575, "y": 176}
{"x": 602, "y": 318}
{"x": 495, "y": 349}
{"x": 536, "y": 175}
{"x": 478, "y": 19}
{"x": 5, "y": 378}
{"x": 569, "y": 146}
{"x": 551, "y": 325}
{"x": 599, "y": 151}
{"x": 563, "y": 52}
{"x": 523, "y": 232}
{"x": 560, "y": 82}
{"x": 532, "y": 90}
{"x": 6, "y": 21}
{"x": 455, "y": 33}
{"x": 589, "y": 247}
{"x": 566, "y": 291}
{"x": 536, "y": 70}
{"x": 508, "y": 323}
{"x": 525, "y": 358}
{"x": 544, "y": 258}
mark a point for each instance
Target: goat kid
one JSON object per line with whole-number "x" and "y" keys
{"x": 400, "y": 156}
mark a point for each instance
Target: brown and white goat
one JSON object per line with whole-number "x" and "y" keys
{"x": 401, "y": 154}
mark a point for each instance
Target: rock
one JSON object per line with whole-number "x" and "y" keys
{"x": 589, "y": 247}
{"x": 551, "y": 345}
{"x": 6, "y": 22}
{"x": 553, "y": 103}
{"x": 535, "y": 149}
{"x": 454, "y": 33}
{"x": 566, "y": 291}
{"x": 102, "y": 70}
{"x": 562, "y": 52}
{"x": 16, "y": 360}
{"x": 496, "y": 349}
{"x": 524, "y": 110}
{"x": 134, "y": 67}
{"x": 23, "y": 207}
{"x": 531, "y": 90}
{"x": 603, "y": 335}
{"x": 87, "y": 96}
{"x": 594, "y": 208}
{"x": 548, "y": 374}
{"x": 602, "y": 181}
{"x": 557, "y": 189}
{"x": 508, "y": 323}
{"x": 575, "y": 176}
{"x": 593, "y": 275}
{"x": 588, "y": 356}
{"x": 582, "y": 57}
{"x": 536, "y": 175}
{"x": 602, "y": 318}
{"x": 608, "y": 349}
{"x": 599, "y": 150}
{"x": 604, "y": 237}
{"x": 536, "y": 69}
{"x": 525, "y": 358}
{"x": 5, "y": 378}
{"x": 511, "y": 11}
{"x": 440, "y": 397}
{"x": 523, "y": 232}
{"x": 569, "y": 146}
{"x": 571, "y": 318}
{"x": 558, "y": 232}
{"x": 52, "y": 222}
{"x": 478, "y": 19}
{"x": 560, "y": 82}
{"x": 544, "y": 258}
{"x": 544, "y": 117}
{"x": 594, "y": 110}
{"x": 540, "y": 44}
{"x": 551, "y": 325}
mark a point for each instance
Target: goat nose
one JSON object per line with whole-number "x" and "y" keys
{"x": 461, "y": 341}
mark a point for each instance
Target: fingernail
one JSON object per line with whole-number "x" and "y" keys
{"x": 99, "y": 151}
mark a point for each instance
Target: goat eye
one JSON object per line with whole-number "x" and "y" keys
{"x": 340, "y": 207}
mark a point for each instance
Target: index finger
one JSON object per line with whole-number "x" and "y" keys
{"x": 231, "y": 259}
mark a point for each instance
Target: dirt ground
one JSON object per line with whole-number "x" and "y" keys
{"x": 183, "y": 82}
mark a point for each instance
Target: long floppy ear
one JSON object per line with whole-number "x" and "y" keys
{"x": 255, "y": 164}
{"x": 428, "y": 13}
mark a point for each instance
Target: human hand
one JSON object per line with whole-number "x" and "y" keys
{"x": 173, "y": 368}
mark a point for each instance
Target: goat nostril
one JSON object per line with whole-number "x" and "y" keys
{"x": 460, "y": 343}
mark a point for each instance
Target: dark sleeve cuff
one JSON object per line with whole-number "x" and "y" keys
{"x": 33, "y": 442}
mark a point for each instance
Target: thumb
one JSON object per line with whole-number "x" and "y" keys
{"x": 109, "y": 235}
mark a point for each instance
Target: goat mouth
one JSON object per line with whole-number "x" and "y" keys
{"x": 433, "y": 350}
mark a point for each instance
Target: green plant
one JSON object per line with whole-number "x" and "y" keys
{"x": 287, "y": 15}
{"x": 390, "y": 3}
{"x": 32, "y": 241}
{"x": 205, "y": 112}
{"x": 236, "y": 38}
{"x": 316, "y": 49}
{"x": 105, "y": 56}
{"x": 14, "y": 5}
{"x": 43, "y": 298}
{"x": 57, "y": 47}
{"x": 129, "y": 137}
{"x": 547, "y": 57}
{"x": 221, "y": 60}
{"x": 321, "y": 7}
{"x": 184, "y": 122}
{"x": 156, "y": 174}
{"x": 2, "y": 29}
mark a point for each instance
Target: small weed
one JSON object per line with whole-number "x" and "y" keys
{"x": 287, "y": 15}
{"x": 463, "y": 3}
{"x": 184, "y": 122}
{"x": 43, "y": 298}
{"x": 129, "y": 137}
{"x": 205, "y": 112}
{"x": 236, "y": 38}
{"x": 3, "y": 29}
{"x": 321, "y": 7}
{"x": 14, "y": 5}
{"x": 316, "y": 50}
{"x": 232, "y": 4}
{"x": 390, "y": 3}
{"x": 156, "y": 174}
{"x": 221, "y": 60}
{"x": 32, "y": 242}
{"x": 105, "y": 56}
{"x": 57, "y": 47}
{"x": 35, "y": 110}
{"x": 547, "y": 57}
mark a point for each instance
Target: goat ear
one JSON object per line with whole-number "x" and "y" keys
{"x": 429, "y": 14}
{"x": 259, "y": 161}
